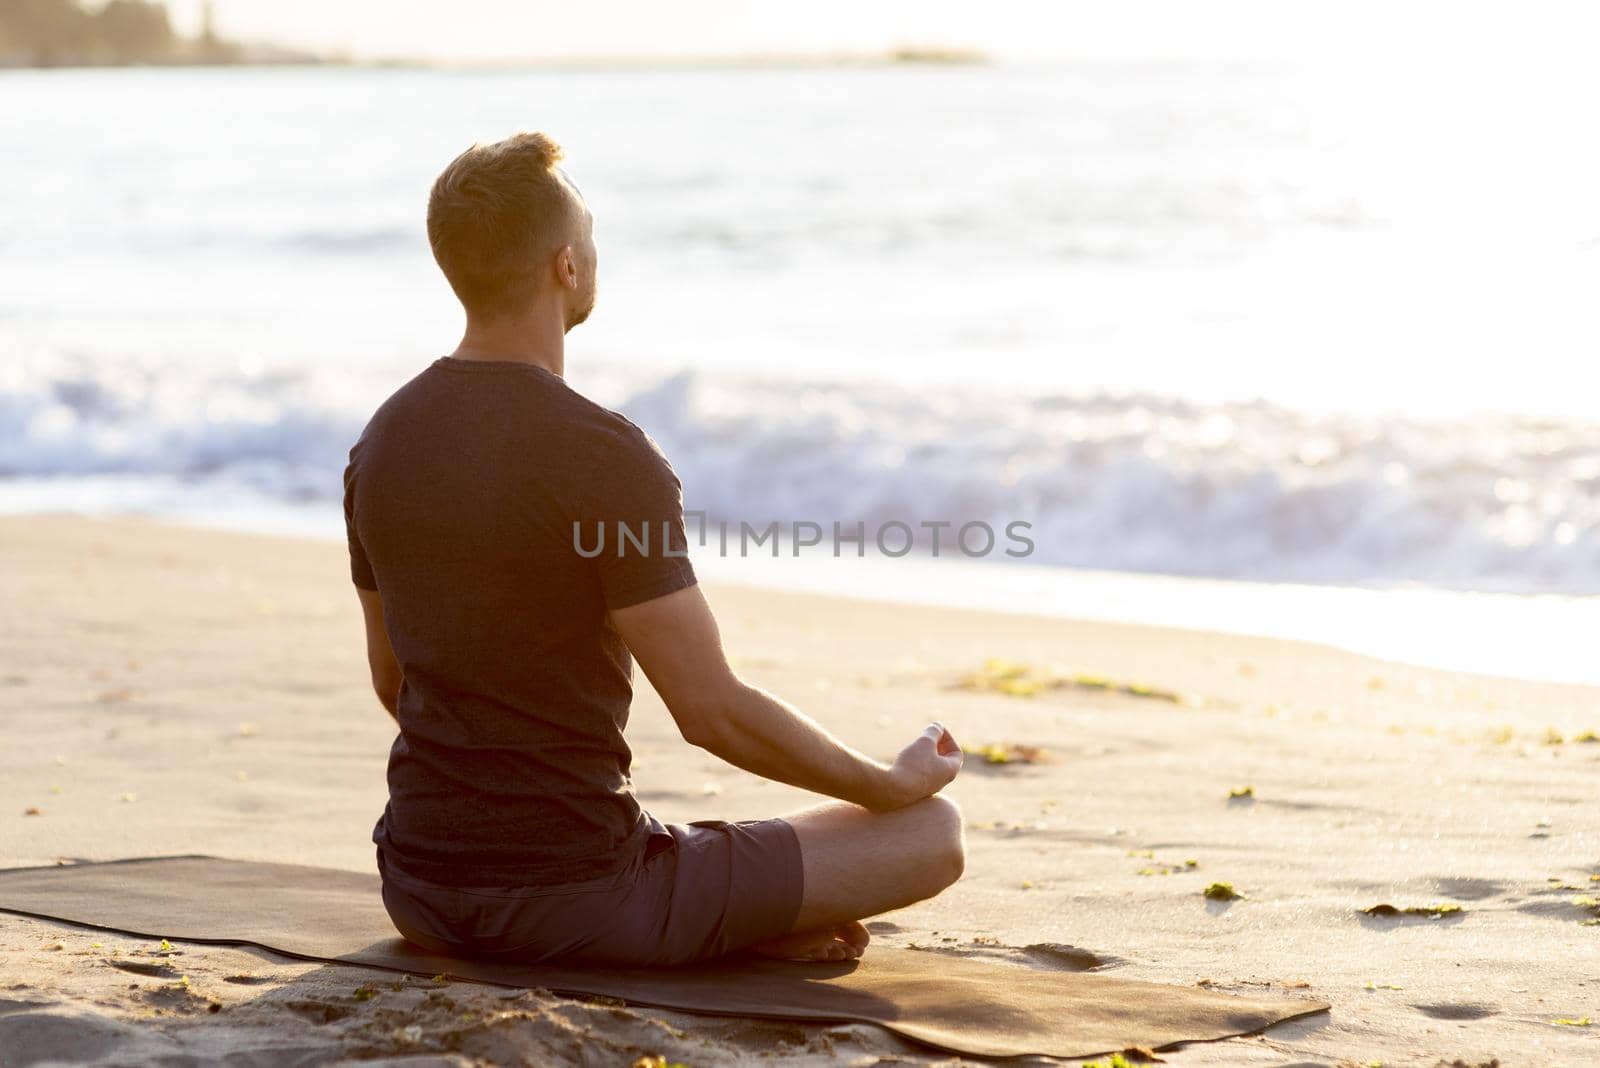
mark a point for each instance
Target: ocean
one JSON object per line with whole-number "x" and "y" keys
{"x": 1275, "y": 335}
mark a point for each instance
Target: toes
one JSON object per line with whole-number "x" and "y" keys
{"x": 842, "y": 950}
{"x": 853, "y": 934}
{"x": 843, "y": 942}
{"x": 833, "y": 951}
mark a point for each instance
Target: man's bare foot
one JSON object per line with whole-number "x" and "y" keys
{"x": 844, "y": 941}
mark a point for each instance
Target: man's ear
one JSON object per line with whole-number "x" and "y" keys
{"x": 567, "y": 267}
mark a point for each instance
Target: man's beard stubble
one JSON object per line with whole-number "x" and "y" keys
{"x": 580, "y": 312}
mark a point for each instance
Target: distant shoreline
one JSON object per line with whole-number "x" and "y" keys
{"x": 272, "y": 56}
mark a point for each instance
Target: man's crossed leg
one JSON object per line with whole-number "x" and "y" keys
{"x": 858, "y": 864}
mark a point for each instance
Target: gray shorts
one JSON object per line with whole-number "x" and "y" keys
{"x": 693, "y": 892}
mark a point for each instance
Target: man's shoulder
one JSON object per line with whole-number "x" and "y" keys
{"x": 414, "y": 392}
{"x": 605, "y": 429}
{"x": 627, "y": 434}
{"x": 594, "y": 429}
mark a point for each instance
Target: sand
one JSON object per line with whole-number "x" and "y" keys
{"x": 170, "y": 690}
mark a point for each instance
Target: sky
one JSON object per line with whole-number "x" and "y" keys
{"x": 1113, "y": 30}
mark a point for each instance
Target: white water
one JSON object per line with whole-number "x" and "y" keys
{"x": 1132, "y": 483}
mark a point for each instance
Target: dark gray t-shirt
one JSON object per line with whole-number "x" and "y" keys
{"x": 461, "y": 500}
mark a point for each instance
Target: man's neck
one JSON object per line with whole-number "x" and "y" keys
{"x": 535, "y": 340}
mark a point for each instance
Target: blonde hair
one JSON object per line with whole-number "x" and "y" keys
{"x": 494, "y": 215}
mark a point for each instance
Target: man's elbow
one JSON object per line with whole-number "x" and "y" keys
{"x": 705, "y": 721}
{"x": 701, "y": 728}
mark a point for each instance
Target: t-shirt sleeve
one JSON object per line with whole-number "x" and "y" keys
{"x": 360, "y": 568}
{"x": 632, "y": 524}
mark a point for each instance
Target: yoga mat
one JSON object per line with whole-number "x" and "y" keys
{"x": 971, "y": 1007}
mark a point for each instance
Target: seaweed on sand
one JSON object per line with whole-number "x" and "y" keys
{"x": 1432, "y": 912}
{"x": 1016, "y": 679}
{"x": 1222, "y": 892}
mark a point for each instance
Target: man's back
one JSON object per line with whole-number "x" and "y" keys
{"x": 461, "y": 501}
{"x": 517, "y": 547}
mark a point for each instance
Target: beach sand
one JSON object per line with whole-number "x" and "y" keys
{"x": 169, "y": 690}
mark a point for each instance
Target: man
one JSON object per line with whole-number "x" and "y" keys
{"x": 500, "y": 641}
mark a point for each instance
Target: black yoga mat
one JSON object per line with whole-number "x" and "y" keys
{"x": 973, "y": 1007}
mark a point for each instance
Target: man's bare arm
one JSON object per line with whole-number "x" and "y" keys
{"x": 676, "y": 641}
{"x": 380, "y": 655}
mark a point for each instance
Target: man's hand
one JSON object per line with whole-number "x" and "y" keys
{"x": 926, "y": 766}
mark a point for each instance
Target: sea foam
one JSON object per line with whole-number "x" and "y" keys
{"x": 1114, "y": 482}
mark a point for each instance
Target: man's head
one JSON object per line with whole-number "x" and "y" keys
{"x": 510, "y": 231}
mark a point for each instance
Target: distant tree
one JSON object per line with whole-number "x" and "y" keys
{"x": 48, "y": 33}
{"x": 43, "y": 32}
{"x": 134, "y": 31}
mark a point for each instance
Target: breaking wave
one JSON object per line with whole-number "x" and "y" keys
{"x": 1137, "y": 483}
